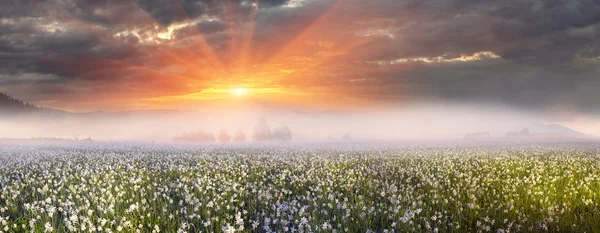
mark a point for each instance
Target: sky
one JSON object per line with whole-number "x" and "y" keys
{"x": 538, "y": 56}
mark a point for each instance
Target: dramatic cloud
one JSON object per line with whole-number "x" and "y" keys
{"x": 87, "y": 55}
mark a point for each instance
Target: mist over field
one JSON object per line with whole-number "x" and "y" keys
{"x": 406, "y": 123}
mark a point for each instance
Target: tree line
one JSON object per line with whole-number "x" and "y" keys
{"x": 9, "y": 104}
{"x": 262, "y": 133}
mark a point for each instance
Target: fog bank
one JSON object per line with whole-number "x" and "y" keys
{"x": 413, "y": 122}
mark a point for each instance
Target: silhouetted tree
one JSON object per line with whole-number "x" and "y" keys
{"x": 239, "y": 136}
{"x": 224, "y": 136}
{"x": 282, "y": 133}
{"x": 262, "y": 132}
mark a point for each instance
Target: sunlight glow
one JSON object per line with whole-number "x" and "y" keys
{"x": 240, "y": 91}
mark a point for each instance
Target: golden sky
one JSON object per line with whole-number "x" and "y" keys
{"x": 319, "y": 54}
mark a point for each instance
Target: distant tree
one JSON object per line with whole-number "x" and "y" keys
{"x": 282, "y": 133}
{"x": 262, "y": 132}
{"x": 346, "y": 137}
{"x": 224, "y": 136}
{"x": 239, "y": 136}
{"x": 210, "y": 137}
{"x": 524, "y": 132}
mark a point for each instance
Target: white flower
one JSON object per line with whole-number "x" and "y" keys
{"x": 48, "y": 227}
{"x": 228, "y": 229}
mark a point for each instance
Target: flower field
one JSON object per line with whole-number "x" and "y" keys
{"x": 99, "y": 187}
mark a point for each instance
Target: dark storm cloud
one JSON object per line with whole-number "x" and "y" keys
{"x": 549, "y": 53}
{"x": 509, "y": 83}
{"x": 548, "y": 50}
{"x": 515, "y": 29}
{"x": 87, "y": 27}
{"x": 161, "y": 10}
{"x": 272, "y": 3}
{"x": 211, "y": 27}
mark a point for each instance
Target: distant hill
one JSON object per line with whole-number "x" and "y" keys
{"x": 538, "y": 131}
{"x": 10, "y": 105}
{"x": 554, "y": 129}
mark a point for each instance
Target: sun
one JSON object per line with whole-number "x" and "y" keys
{"x": 240, "y": 91}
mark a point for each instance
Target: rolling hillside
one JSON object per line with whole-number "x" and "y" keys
{"x": 10, "y": 105}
